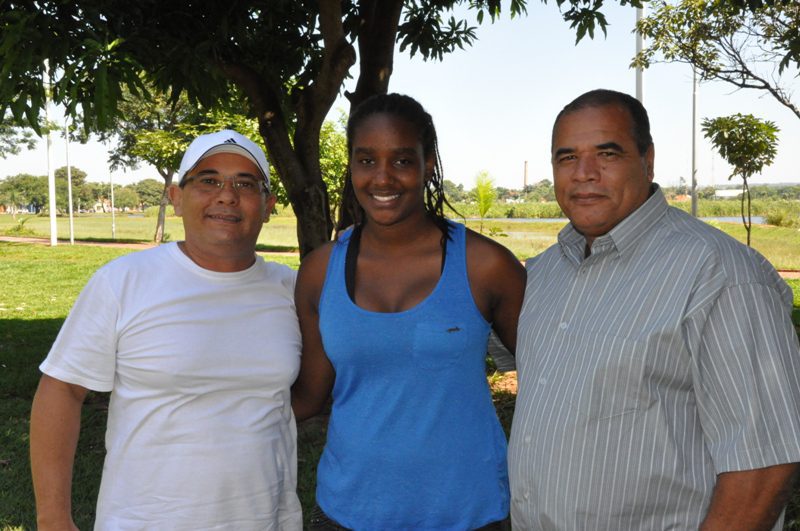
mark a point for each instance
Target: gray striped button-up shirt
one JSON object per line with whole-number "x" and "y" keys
{"x": 661, "y": 360}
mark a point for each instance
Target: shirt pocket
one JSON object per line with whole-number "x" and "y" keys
{"x": 438, "y": 344}
{"x": 609, "y": 371}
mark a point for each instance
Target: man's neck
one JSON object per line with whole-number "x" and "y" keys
{"x": 219, "y": 263}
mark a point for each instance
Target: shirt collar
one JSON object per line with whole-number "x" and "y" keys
{"x": 620, "y": 238}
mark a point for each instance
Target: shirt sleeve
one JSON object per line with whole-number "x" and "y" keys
{"x": 747, "y": 378}
{"x": 84, "y": 353}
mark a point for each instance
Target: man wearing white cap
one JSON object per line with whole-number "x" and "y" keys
{"x": 198, "y": 343}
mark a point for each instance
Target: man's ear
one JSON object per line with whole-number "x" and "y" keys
{"x": 649, "y": 160}
{"x": 175, "y": 194}
{"x": 270, "y": 204}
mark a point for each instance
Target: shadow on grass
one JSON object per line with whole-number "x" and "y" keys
{"x": 311, "y": 436}
{"x": 23, "y": 345}
{"x": 796, "y": 319}
{"x": 263, "y": 248}
{"x": 113, "y": 240}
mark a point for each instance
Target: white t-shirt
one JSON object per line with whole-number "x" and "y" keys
{"x": 200, "y": 432}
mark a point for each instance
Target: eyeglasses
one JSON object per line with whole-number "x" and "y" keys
{"x": 213, "y": 183}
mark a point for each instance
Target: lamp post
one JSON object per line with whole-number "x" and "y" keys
{"x": 51, "y": 176}
{"x": 639, "y": 76}
{"x": 694, "y": 142}
{"x": 113, "y": 215}
{"x": 69, "y": 185}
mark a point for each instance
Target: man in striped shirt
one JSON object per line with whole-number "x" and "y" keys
{"x": 659, "y": 372}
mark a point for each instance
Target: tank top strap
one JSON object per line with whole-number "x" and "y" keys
{"x": 334, "y": 287}
{"x": 455, "y": 264}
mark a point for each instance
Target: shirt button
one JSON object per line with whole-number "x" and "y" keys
{"x": 542, "y": 381}
{"x": 563, "y": 325}
{"x": 526, "y": 495}
{"x": 527, "y": 439}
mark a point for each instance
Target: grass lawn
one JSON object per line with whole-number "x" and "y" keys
{"x": 781, "y": 245}
{"x": 279, "y": 234}
{"x": 41, "y": 283}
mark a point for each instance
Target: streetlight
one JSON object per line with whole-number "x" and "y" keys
{"x": 694, "y": 142}
{"x": 639, "y": 80}
{"x": 69, "y": 185}
{"x": 51, "y": 176}
{"x": 113, "y": 216}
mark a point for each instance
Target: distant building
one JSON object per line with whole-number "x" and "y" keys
{"x": 727, "y": 194}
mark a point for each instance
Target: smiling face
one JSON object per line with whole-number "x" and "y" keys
{"x": 599, "y": 176}
{"x": 221, "y": 226}
{"x": 388, "y": 168}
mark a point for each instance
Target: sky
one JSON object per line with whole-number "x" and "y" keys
{"x": 494, "y": 103}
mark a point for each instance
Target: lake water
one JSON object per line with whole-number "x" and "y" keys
{"x": 757, "y": 220}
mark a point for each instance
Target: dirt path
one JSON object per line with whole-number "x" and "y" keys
{"x": 46, "y": 241}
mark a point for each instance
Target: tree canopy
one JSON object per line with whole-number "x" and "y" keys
{"x": 13, "y": 138}
{"x": 286, "y": 59}
{"x": 24, "y": 190}
{"x": 756, "y": 48}
{"x": 151, "y": 128}
{"x": 149, "y": 192}
{"x": 747, "y": 144}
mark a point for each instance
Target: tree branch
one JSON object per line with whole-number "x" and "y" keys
{"x": 380, "y": 20}
{"x": 317, "y": 99}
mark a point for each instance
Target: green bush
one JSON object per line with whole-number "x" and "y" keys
{"x": 152, "y": 211}
{"x": 19, "y": 229}
{"x": 548, "y": 209}
{"x": 730, "y": 208}
{"x": 782, "y": 217}
{"x": 785, "y": 210}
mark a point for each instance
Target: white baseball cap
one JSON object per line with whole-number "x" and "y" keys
{"x": 224, "y": 141}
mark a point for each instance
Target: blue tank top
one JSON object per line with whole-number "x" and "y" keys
{"x": 413, "y": 438}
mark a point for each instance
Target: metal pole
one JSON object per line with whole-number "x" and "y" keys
{"x": 69, "y": 186}
{"x": 51, "y": 176}
{"x": 113, "y": 217}
{"x": 639, "y": 76}
{"x": 694, "y": 142}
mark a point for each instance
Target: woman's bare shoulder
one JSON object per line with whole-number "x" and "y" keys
{"x": 313, "y": 267}
{"x": 488, "y": 251}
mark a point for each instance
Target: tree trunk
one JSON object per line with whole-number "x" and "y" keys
{"x": 297, "y": 163}
{"x": 376, "y": 39}
{"x": 298, "y": 169}
{"x": 162, "y": 207}
{"x": 314, "y": 225}
{"x": 747, "y": 218}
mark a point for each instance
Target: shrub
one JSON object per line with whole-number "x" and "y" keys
{"x": 152, "y": 211}
{"x": 782, "y": 217}
{"x": 20, "y": 229}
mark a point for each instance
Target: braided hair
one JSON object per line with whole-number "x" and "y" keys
{"x": 410, "y": 110}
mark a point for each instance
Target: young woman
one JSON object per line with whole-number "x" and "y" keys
{"x": 395, "y": 316}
